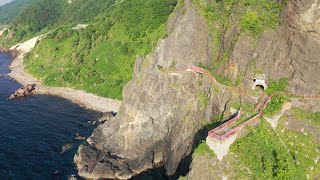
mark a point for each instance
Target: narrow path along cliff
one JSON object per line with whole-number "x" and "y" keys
{"x": 85, "y": 99}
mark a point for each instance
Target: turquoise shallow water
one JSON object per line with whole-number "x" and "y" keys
{"x": 33, "y": 130}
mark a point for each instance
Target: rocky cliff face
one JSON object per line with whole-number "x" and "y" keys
{"x": 292, "y": 50}
{"x": 161, "y": 111}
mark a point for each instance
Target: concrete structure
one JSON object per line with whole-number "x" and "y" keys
{"x": 220, "y": 138}
{"x": 260, "y": 81}
{"x": 220, "y": 148}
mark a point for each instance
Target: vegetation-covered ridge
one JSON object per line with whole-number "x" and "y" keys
{"x": 100, "y": 57}
{"x": 10, "y": 11}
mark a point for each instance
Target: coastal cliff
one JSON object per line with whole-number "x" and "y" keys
{"x": 202, "y": 70}
{"x": 161, "y": 112}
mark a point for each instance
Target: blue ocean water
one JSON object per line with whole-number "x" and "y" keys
{"x": 33, "y": 131}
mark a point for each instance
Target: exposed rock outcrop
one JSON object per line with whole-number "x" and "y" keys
{"x": 292, "y": 50}
{"x": 24, "y": 91}
{"x": 161, "y": 112}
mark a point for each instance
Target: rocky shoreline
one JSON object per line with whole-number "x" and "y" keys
{"x": 80, "y": 97}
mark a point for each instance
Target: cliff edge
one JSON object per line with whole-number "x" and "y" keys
{"x": 161, "y": 111}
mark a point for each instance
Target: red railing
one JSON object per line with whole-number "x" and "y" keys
{"x": 213, "y": 133}
{"x": 224, "y": 125}
{"x": 260, "y": 102}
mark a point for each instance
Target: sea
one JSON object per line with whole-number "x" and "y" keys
{"x": 34, "y": 129}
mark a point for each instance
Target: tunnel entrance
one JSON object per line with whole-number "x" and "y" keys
{"x": 259, "y": 87}
{"x": 259, "y": 83}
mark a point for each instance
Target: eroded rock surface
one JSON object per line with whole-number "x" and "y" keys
{"x": 161, "y": 111}
{"x": 292, "y": 50}
{"x": 24, "y": 91}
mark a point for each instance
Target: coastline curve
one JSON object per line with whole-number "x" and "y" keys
{"x": 80, "y": 97}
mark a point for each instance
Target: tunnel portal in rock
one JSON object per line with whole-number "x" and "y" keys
{"x": 260, "y": 83}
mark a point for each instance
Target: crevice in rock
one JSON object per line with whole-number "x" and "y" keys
{"x": 152, "y": 120}
{"x": 128, "y": 167}
{"x": 224, "y": 110}
{"x": 114, "y": 156}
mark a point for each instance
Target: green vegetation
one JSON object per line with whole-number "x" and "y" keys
{"x": 275, "y": 105}
{"x": 43, "y": 15}
{"x": 277, "y": 86}
{"x": 221, "y": 79}
{"x": 250, "y": 17}
{"x": 183, "y": 178}
{"x": 38, "y": 16}
{"x": 204, "y": 99}
{"x": 10, "y": 11}
{"x": 313, "y": 117}
{"x": 203, "y": 149}
{"x": 277, "y": 101}
{"x": 260, "y": 15}
{"x": 250, "y": 21}
{"x": 99, "y": 58}
{"x": 271, "y": 154}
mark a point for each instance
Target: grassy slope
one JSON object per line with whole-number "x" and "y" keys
{"x": 277, "y": 154}
{"x": 99, "y": 59}
{"x": 267, "y": 154}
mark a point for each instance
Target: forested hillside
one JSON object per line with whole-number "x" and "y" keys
{"x": 10, "y": 11}
{"x": 99, "y": 58}
{"x": 3, "y": 2}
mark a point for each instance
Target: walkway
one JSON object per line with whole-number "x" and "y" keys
{"x": 231, "y": 127}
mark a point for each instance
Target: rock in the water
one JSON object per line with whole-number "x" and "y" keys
{"x": 72, "y": 177}
{"x": 24, "y": 91}
{"x": 65, "y": 148}
{"x": 79, "y": 137}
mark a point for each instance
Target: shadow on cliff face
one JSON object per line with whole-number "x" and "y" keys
{"x": 185, "y": 163}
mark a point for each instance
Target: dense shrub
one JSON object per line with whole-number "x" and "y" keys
{"x": 272, "y": 154}
{"x": 10, "y": 11}
{"x": 278, "y": 86}
{"x": 100, "y": 58}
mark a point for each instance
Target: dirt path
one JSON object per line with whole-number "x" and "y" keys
{"x": 85, "y": 99}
